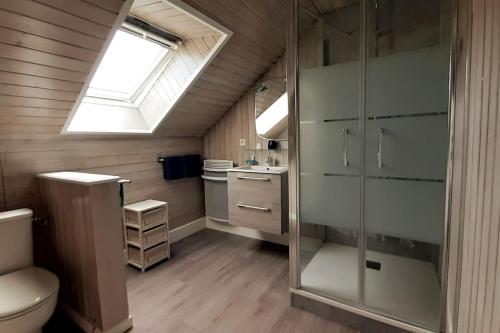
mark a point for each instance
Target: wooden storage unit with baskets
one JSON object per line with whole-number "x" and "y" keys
{"x": 146, "y": 233}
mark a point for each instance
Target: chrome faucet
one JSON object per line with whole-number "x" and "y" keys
{"x": 270, "y": 161}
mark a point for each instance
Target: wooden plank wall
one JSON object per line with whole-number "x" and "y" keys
{"x": 2, "y": 191}
{"x": 257, "y": 42}
{"x": 47, "y": 48}
{"x": 172, "y": 19}
{"x": 222, "y": 141}
{"x": 475, "y": 209}
{"x": 133, "y": 159}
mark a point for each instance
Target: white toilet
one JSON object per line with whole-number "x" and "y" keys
{"x": 28, "y": 294}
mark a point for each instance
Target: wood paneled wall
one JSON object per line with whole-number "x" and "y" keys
{"x": 222, "y": 141}
{"x": 257, "y": 42}
{"x": 133, "y": 159}
{"x": 170, "y": 18}
{"x": 474, "y": 277}
{"x": 47, "y": 48}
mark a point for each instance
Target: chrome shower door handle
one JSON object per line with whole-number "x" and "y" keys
{"x": 345, "y": 132}
{"x": 379, "y": 147}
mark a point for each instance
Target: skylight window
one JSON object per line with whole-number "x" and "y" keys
{"x": 129, "y": 61}
{"x": 144, "y": 70}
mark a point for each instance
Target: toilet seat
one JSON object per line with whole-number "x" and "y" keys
{"x": 24, "y": 290}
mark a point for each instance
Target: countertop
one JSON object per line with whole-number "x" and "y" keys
{"x": 79, "y": 177}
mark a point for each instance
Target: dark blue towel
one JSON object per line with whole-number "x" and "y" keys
{"x": 177, "y": 167}
{"x": 192, "y": 166}
{"x": 173, "y": 167}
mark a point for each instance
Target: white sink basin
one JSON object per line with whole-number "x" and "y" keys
{"x": 260, "y": 169}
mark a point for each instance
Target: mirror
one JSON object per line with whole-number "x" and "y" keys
{"x": 271, "y": 109}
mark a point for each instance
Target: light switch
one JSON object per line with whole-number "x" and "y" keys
{"x": 243, "y": 142}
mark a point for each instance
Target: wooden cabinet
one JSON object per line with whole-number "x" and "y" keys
{"x": 84, "y": 248}
{"x": 258, "y": 201}
{"x": 146, "y": 233}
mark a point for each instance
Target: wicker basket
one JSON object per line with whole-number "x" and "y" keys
{"x": 150, "y": 237}
{"x": 149, "y": 219}
{"x": 151, "y": 256}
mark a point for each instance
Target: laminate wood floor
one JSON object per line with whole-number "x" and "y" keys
{"x": 218, "y": 282}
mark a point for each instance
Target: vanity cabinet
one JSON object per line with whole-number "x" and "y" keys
{"x": 258, "y": 201}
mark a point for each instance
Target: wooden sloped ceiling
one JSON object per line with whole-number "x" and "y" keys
{"x": 258, "y": 40}
{"x": 48, "y": 47}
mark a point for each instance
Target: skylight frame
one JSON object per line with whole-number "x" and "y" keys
{"x": 146, "y": 82}
{"x": 224, "y": 34}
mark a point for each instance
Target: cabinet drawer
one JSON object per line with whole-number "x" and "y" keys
{"x": 147, "y": 219}
{"x": 151, "y": 256}
{"x": 151, "y": 237}
{"x": 264, "y": 217}
{"x": 255, "y": 201}
{"x": 254, "y": 188}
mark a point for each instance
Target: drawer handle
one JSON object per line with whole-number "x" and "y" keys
{"x": 254, "y": 207}
{"x": 255, "y": 178}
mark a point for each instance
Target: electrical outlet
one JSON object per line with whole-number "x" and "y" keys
{"x": 243, "y": 142}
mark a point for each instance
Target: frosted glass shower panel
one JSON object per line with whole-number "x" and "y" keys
{"x": 407, "y": 147}
{"x": 330, "y": 200}
{"x": 408, "y": 83}
{"x": 330, "y": 147}
{"x": 329, "y": 92}
{"x": 405, "y": 209}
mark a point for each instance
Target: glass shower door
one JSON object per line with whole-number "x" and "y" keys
{"x": 406, "y": 152}
{"x": 330, "y": 151}
{"x": 373, "y": 147}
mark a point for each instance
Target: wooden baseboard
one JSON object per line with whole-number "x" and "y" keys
{"x": 186, "y": 230}
{"x": 120, "y": 327}
{"x": 87, "y": 327}
{"x": 247, "y": 232}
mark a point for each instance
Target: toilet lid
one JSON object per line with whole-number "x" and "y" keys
{"x": 25, "y": 289}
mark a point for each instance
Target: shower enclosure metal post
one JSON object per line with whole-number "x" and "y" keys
{"x": 292, "y": 57}
{"x": 363, "y": 54}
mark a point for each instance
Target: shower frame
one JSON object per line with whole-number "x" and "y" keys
{"x": 459, "y": 66}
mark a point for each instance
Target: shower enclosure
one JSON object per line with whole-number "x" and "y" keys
{"x": 371, "y": 134}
